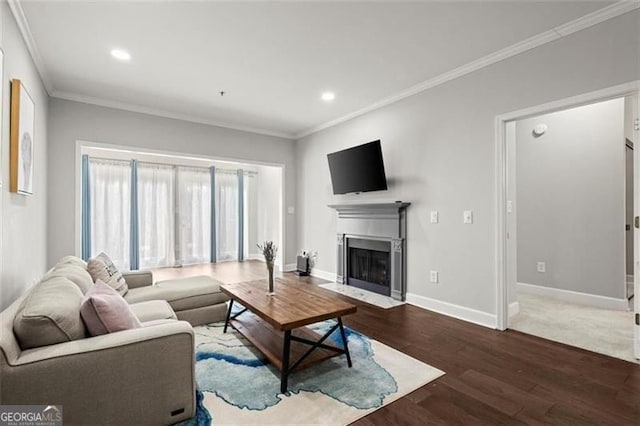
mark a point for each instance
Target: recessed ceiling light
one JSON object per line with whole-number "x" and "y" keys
{"x": 121, "y": 55}
{"x": 328, "y": 96}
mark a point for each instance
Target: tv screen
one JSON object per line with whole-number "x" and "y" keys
{"x": 358, "y": 169}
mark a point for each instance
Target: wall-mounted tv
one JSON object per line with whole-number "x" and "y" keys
{"x": 358, "y": 169}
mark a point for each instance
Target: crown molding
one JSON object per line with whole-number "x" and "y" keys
{"x": 23, "y": 26}
{"x": 597, "y": 17}
{"x": 553, "y": 34}
{"x": 162, "y": 113}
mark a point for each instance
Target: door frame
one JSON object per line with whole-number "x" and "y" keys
{"x": 501, "y": 263}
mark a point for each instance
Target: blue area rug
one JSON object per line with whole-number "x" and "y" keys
{"x": 237, "y": 385}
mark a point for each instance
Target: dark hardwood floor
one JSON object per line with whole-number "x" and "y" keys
{"x": 492, "y": 377}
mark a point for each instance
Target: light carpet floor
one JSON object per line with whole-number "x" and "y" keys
{"x": 236, "y": 385}
{"x": 604, "y": 331}
{"x": 363, "y": 295}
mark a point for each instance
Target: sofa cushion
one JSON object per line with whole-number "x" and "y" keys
{"x": 102, "y": 268}
{"x": 77, "y": 275}
{"x": 153, "y": 310}
{"x": 72, "y": 260}
{"x": 50, "y": 314}
{"x": 182, "y": 294}
{"x": 105, "y": 311}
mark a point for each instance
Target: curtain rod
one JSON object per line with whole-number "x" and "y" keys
{"x": 218, "y": 169}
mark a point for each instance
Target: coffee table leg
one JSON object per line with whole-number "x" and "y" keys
{"x": 284, "y": 374}
{"x": 226, "y": 322}
{"x": 344, "y": 342}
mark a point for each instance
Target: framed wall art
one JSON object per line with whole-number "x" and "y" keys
{"x": 22, "y": 139}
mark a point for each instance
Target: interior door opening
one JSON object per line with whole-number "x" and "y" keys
{"x": 571, "y": 190}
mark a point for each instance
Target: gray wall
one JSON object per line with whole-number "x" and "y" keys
{"x": 571, "y": 200}
{"x": 73, "y": 121}
{"x": 23, "y": 218}
{"x": 439, "y": 152}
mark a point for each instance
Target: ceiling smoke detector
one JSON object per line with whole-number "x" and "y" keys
{"x": 539, "y": 130}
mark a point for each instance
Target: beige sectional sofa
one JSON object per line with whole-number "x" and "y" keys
{"x": 139, "y": 376}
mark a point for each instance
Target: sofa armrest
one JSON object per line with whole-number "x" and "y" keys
{"x": 137, "y": 279}
{"x": 140, "y": 376}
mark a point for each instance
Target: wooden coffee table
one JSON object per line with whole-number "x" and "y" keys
{"x": 278, "y": 328}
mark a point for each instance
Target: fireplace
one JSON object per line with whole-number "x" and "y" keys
{"x": 369, "y": 265}
{"x": 370, "y": 247}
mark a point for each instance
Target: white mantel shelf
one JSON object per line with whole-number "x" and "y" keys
{"x": 370, "y": 208}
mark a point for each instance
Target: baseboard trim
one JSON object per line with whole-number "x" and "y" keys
{"x": 456, "y": 311}
{"x": 329, "y": 276}
{"x": 514, "y": 309}
{"x": 594, "y": 300}
{"x": 289, "y": 267}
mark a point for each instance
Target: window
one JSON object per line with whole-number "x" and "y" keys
{"x": 146, "y": 215}
{"x": 193, "y": 221}
{"x": 227, "y": 220}
{"x": 110, "y": 203}
{"x": 156, "y": 215}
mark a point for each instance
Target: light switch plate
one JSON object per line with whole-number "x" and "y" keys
{"x": 509, "y": 206}
{"x": 434, "y": 216}
{"x": 467, "y": 216}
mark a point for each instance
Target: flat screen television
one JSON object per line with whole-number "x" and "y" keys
{"x": 358, "y": 169}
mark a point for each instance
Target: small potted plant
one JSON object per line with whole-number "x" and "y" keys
{"x": 269, "y": 251}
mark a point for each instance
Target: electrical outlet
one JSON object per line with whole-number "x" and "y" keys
{"x": 542, "y": 267}
{"x": 291, "y": 210}
{"x": 434, "y": 276}
{"x": 467, "y": 216}
{"x": 434, "y": 216}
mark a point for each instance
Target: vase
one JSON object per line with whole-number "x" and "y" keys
{"x": 270, "y": 269}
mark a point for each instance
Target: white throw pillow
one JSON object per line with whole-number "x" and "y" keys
{"x": 102, "y": 268}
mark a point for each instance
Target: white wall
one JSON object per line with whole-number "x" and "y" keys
{"x": 73, "y": 121}
{"x": 571, "y": 200}
{"x": 439, "y": 151}
{"x": 23, "y": 218}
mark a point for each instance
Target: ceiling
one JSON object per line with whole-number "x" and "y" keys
{"x": 273, "y": 59}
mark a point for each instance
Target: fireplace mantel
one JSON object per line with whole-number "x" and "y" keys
{"x": 376, "y": 221}
{"x": 369, "y": 208}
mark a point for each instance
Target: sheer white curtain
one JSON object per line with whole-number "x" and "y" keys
{"x": 156, "y": 214}
{"x": 250, "y": 216}
{"x": 226, "y": 193}
{"x": 110, "y": 206}
{"x": 194, "y": 215}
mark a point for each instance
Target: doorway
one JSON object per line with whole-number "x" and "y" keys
{"x": 563, "y": 215}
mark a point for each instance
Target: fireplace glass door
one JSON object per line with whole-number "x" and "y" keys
{"x": 369, "y": 265}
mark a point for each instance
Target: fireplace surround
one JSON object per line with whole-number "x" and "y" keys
{"x": 371, "y": 247}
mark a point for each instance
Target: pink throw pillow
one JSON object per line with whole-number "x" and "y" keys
{"x": 104, "y": 311}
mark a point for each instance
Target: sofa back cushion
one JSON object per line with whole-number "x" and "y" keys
{"x": 104, "y": 311}
{"x": 50, "y": 314}
{"x": 77, "y": 275}
{"x": 102, "y": 268}
{"x": 72, "y": 260}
